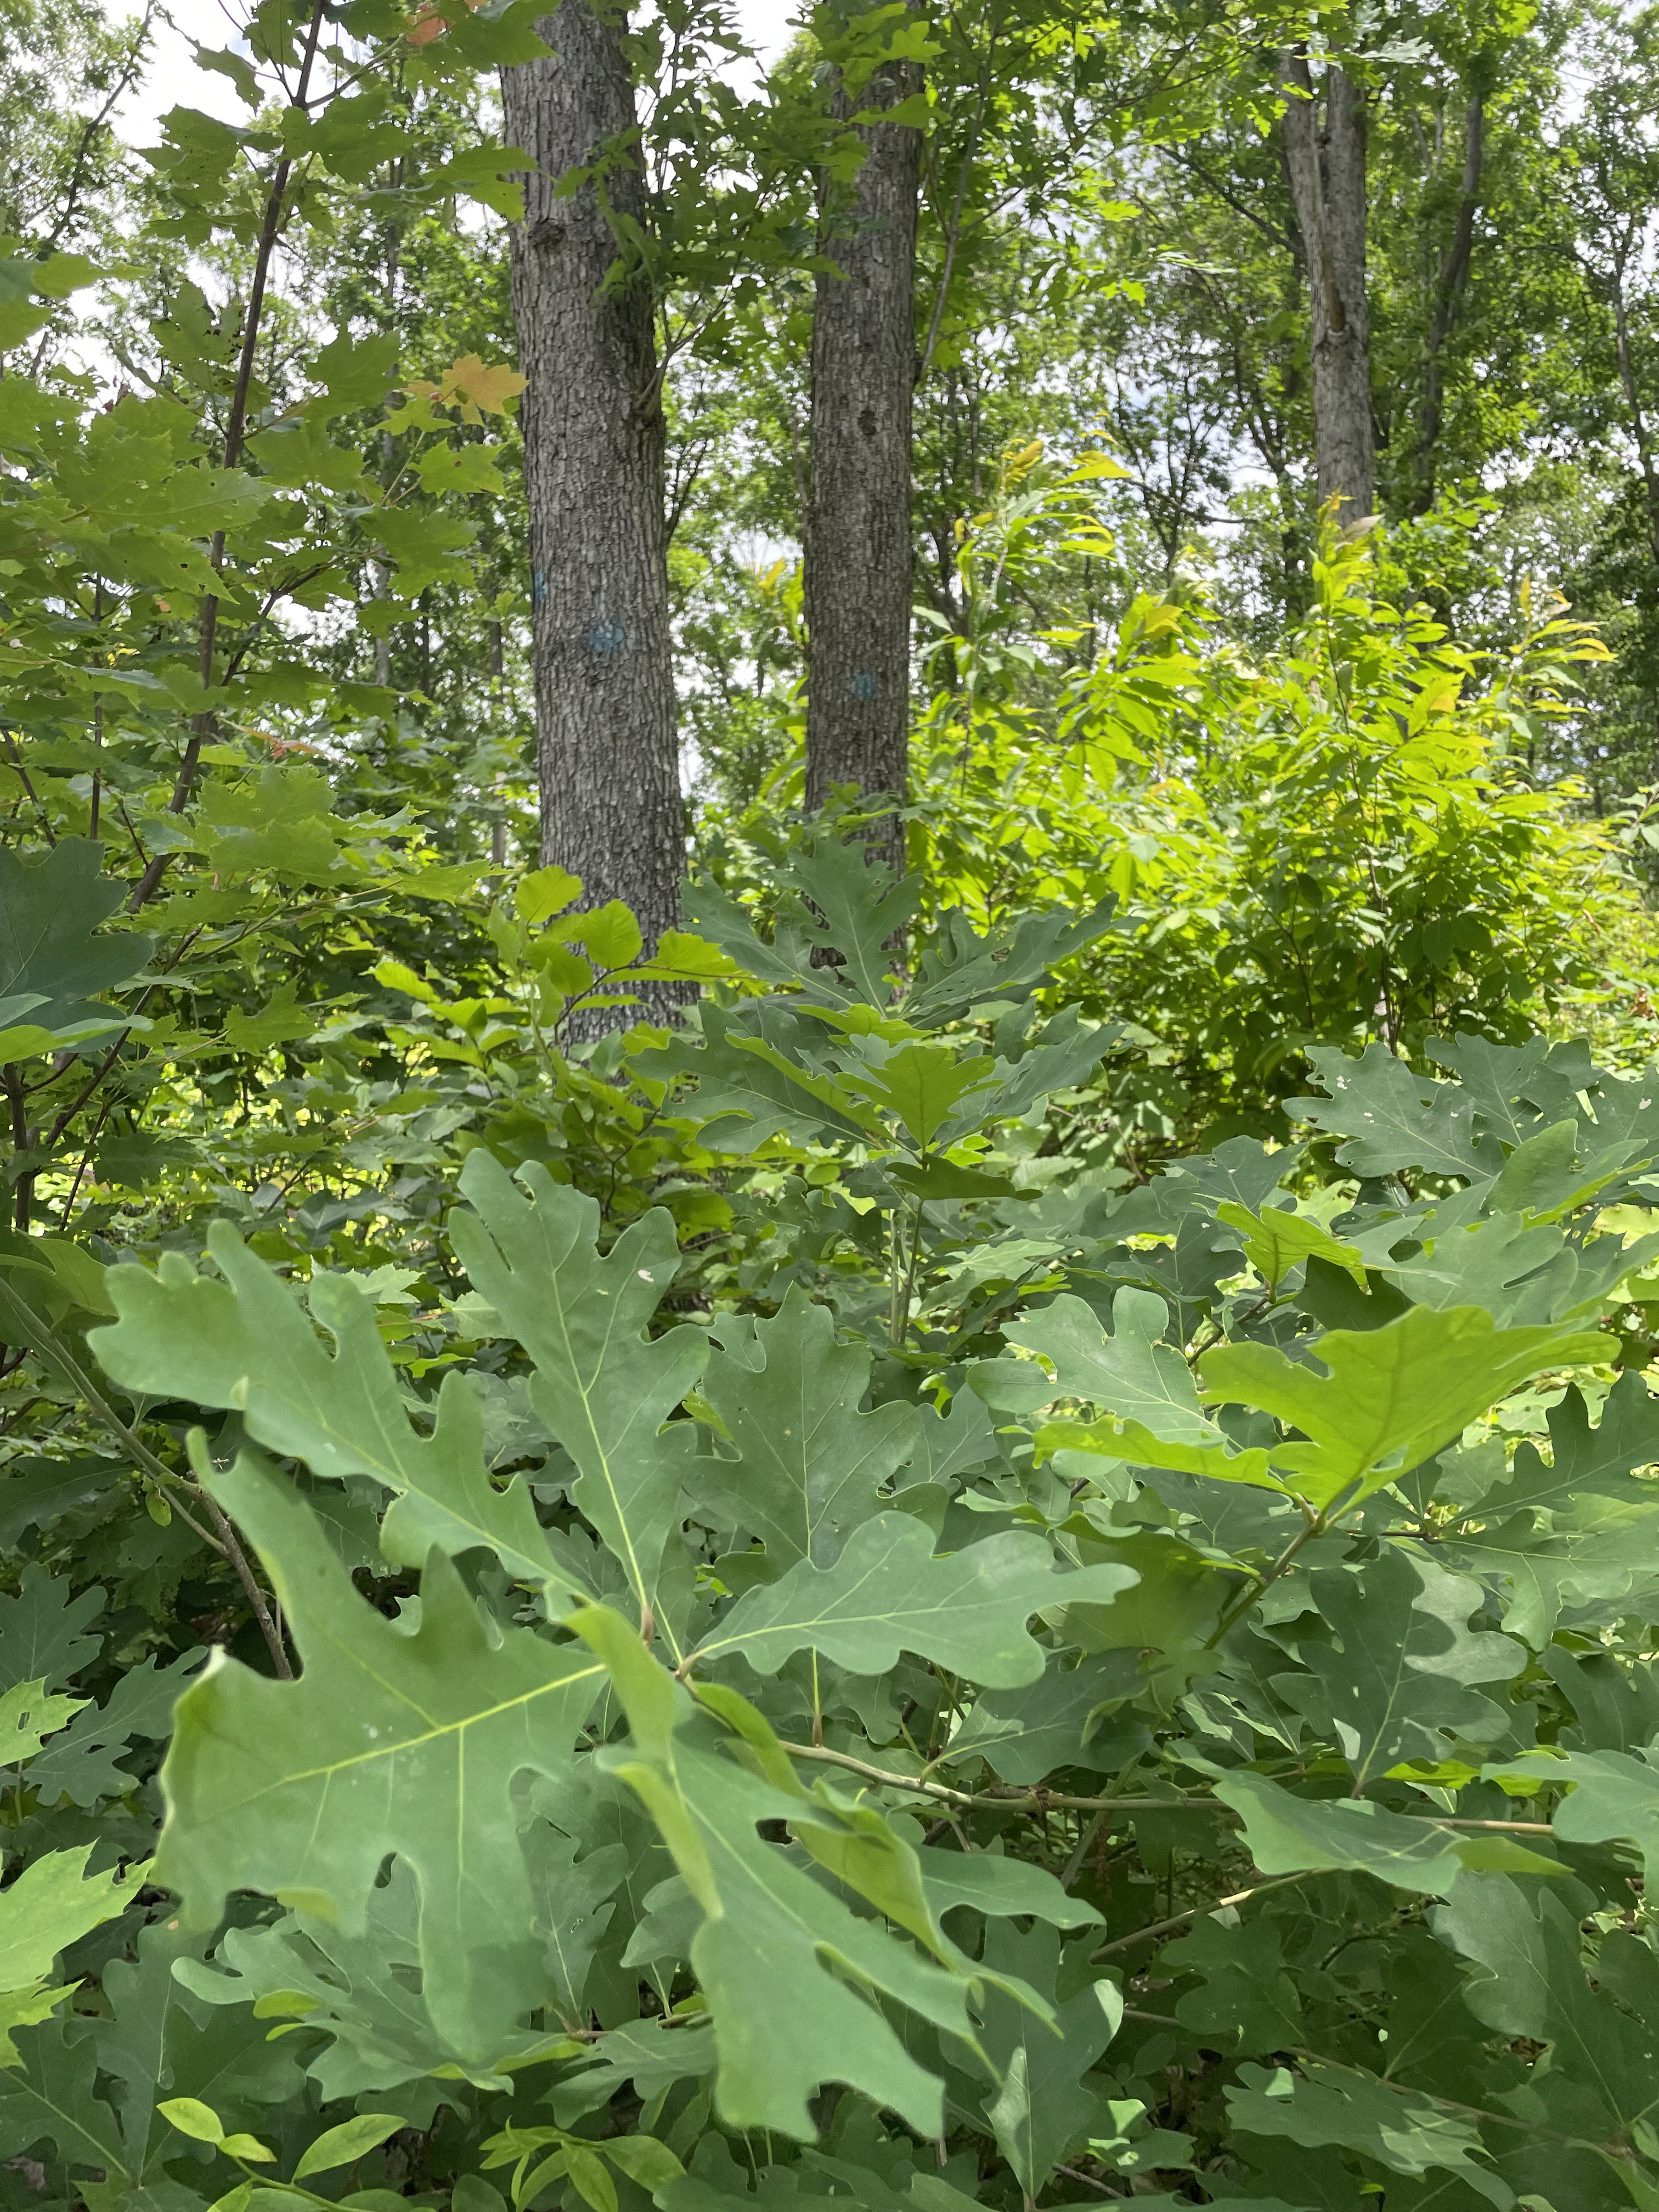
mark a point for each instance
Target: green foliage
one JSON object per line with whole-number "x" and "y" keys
{"x": 51, "y": 959}
{"x": 1332, "y": 840}
{"x": 788, "y": 1619}
{"x": 880, "y": 1726}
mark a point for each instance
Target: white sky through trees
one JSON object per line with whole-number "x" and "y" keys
{"x": 172, "y": 79}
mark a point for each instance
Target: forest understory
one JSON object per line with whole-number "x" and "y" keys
{"x": 830, "y": 1267}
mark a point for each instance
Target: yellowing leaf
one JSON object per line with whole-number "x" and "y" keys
{"x": 1391, "y": 1397}
{"x": 1276, "y": 1240}
{"x": 27, "y": 1717}
{"x": 475, "y": 388}
{"x": 1096, "y": 467}
{"x": 546, "y": 891}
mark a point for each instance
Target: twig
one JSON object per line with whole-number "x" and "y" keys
{"x": 110, "y": 1058}
{"x": 1088, "y": 2182}
{"x": 1009, "y": 1801}
{"x": 22, "y": 776}
{"x": 27, "y": 1325}
{"x": 1195, "y": 1912}
{"x": 42, "y": 1340}
{"x": 235, "y": 427}
{"x": 88, "y": 137}
{"x": 239, "y": 1559}
{"x": 1450, "y": 2104}
{"x": 1074, "y": 1864}
{"x": 954, "y": 232}
{"x": 1053, "y": 1800}
{"x": 1316, "y": 1524}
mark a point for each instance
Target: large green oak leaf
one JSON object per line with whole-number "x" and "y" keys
{"x": 393, "y": 1739}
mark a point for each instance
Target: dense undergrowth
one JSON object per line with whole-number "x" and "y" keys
{"x": 768, "y": 1614}
{"x": 744, "y": 1614}
{"x": 1018, "y": 1567}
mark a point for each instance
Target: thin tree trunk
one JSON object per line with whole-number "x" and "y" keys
{"x": 497, "y": 685}
{"x": 858, "y": 567}
{"x": 1449, "y": 301}
{"x": 611, "y": 806}
{"x": 277, "y": 211}
{"x": 1641, "y": 429}
{"x": 1327, "y": 170}
{"x": 381, "y": 570}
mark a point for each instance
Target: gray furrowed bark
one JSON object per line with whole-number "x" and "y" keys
{"x": 858, "y": 563}
{"x": 1325, "y": 161}
{"x": 593, "y": 436}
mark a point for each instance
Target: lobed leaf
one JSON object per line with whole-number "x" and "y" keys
{"x": 394, "y": 1738}
{"x": 781, "y": 1961}
{"x": 886, "y": 1593}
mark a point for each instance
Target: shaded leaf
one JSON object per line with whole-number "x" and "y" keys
{"x": 808, "y": 1462}
{"x": 54, "y": 961}
{"x": 1401, "y": 2129}
{"x": 1397, "y": 1679}
{"x": 783, "y": 2023}
{"x": 1042, "y": 2105}
{"x": 390, "y": 1742}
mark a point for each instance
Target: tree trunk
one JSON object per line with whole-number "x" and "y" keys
{"x": 1448, "y": 305}
{"x": 1641, "y": 429}
{"x": 857, "y": 583}
{"x": 611, "y": 806}
{"x": 1327, "y": 172}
